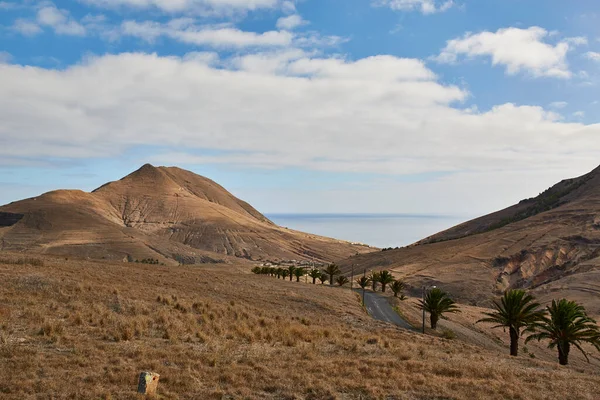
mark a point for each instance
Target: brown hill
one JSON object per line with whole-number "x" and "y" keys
{"x": 158, "y": 213}
{"x": 550, "y": 243}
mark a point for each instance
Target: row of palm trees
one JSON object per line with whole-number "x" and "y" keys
{"x": 383, "y": 278}
{"x": 291, "y": 271}
{"x": 564, "y": 323}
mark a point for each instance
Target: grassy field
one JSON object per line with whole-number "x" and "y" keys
{"x": 74, "y": 329}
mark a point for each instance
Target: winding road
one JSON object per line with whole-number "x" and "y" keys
{"x": 379, "y": 308}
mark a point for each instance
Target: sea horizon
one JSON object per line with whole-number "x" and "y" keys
{"x": 374, "y": 229}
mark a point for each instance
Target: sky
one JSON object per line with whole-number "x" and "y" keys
{"x": 437, "y": 107}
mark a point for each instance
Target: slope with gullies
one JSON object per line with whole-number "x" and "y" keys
{"x": 550, "y": 244}
{"x": 167, "y": 214}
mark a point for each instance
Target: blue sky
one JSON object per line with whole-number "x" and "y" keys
{"x": 392, "y": 106}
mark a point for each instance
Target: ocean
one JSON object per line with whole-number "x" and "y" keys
{"x": 380, "y": 230}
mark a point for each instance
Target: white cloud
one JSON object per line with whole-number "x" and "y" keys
{"x": 26, "y": 28}
{"x": 288, "y": 7}
{"x": 50, "y": 16}
{"x": 8, "y": 6}
{"x": 314, "y": 39}
{"x": 184, "y": 30}
{"x": 378, "y": 68}
{"x": 382, "y": 115}
{"x": 60, "y": 21}
{"x": 5, "y": 57}
{"x": 425, "y": 6}
{"x": 592, "y": 55}
{"x": 290, "y": 22}
{"x": 276, "y": 62}
{"x": 94, "y": 19}
{"x": 297, "y": 62}
{"x": 519, "y": 50}
{"x": 579, "y": 114}
{"x": 558, "y": 104}
{"x": 577, "y": 40}
{"x": 203, "y": 57}
{"x": 190, "y": 6}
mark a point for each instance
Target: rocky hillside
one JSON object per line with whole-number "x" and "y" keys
{"x": 549, "y": 243}
{"x": 165, "y": 214}
{"x": 563, "y": 193}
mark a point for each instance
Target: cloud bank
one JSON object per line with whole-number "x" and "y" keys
{"x": 380, "y": 114}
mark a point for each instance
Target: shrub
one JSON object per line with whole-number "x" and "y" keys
{"x": 448, "y": 334}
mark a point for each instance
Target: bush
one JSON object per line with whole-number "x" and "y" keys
{"x": 448, "y": 334}
{"x": 36, "y": 262}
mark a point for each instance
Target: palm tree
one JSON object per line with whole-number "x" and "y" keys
{"x": 284, "y": 273}
{"x": 516, "y": 310}
{"x": 279, "y": 272}
{"x": 398, "y": 287}
{"x": 323, "y": 278}
{"x": 298, "y": 273}
{"x": 257, "y": 270}
{"x": 363, "y": 281}
{"x": 568, "y": 325}
{"x": 332, "y": 270}
{"x": 291, "y": 270}
{"x": 314, "y": 274}
{"x": 342, "y": 280}
{"x": 437, "y": 303}
{"x": 385, "y": 277}
{"x": 374, "y": 279}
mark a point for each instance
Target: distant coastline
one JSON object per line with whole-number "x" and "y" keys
{"x": 380, "y": 230}
{"x": 355, "y": 215}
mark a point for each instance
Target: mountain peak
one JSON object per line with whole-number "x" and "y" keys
{"x": 146, "y": 170}
{"x": 160, "y": 213}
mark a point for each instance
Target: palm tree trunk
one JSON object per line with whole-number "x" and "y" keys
{"x": 314, "y": 281}
{"x": 383, "y": 287}
{"x": 563, "y": 353}
{"x": 298, "y": 278}
{"x": 514, "y": 342}
{"x": 331, "y": 280}
{"x": 434, "y": 320}
{"x": 291, "y": 277}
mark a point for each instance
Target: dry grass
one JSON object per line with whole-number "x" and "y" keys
{"x": 16, "y": 260}
{"x": 78, "y": 330}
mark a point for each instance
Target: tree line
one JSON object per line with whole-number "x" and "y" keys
{"x": 564, "y": 324}
{"x": 383, "y": 279}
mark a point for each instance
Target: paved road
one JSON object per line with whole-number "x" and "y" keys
{"x": 379, "y": 308}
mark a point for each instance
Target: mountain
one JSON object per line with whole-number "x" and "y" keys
{"x": 158, "y": 213}
{"x": 549, "y": 244}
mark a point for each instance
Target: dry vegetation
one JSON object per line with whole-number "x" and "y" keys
{"x": 79, "y": 329}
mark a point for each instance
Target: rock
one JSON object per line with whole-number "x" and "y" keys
{"x": 148, "y": 383}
